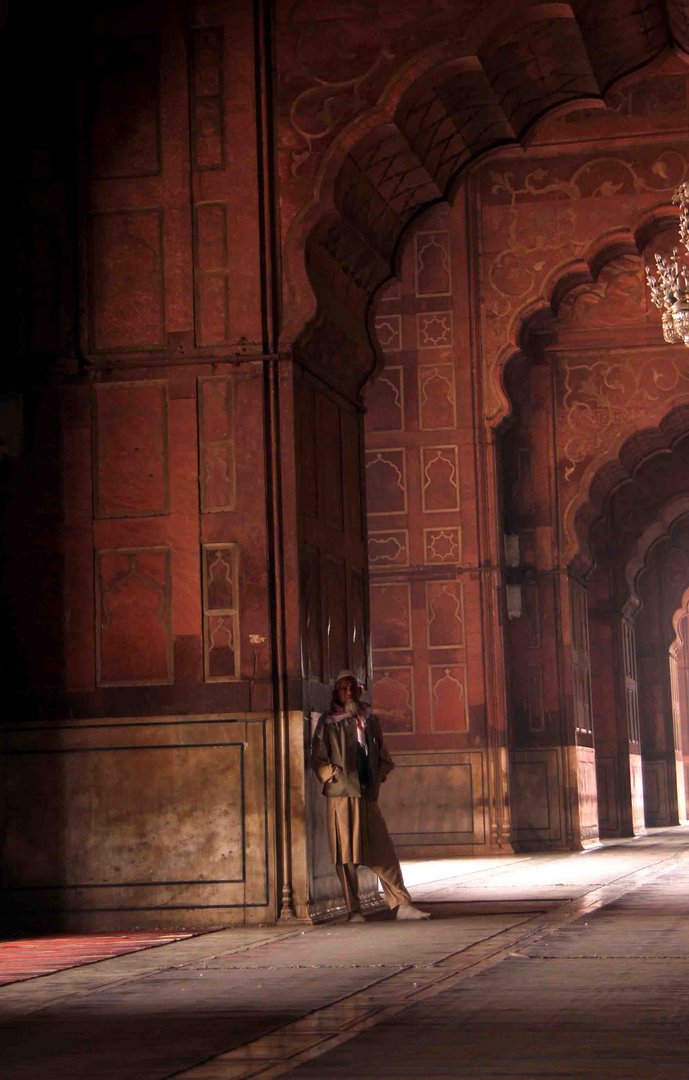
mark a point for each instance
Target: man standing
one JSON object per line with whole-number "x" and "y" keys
{"x": 349, "y": 757}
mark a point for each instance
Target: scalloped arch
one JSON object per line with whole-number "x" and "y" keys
{"x": 634, "y": 451}
{"x": 412, "y": 147}
{"x": 670, "y": 516}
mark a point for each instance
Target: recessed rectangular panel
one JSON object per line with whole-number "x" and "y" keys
{"x": 449, "y": 810}
{"x": 432, "y": 263}
{"x": 335, "y": 597}
{"x": 439, "y": 478}
{"x": 207, "y": 45}
{"x": 358, "y": 623}
{"x": 221, "y": 639}
{"x": 434, "y": 330}
{"x": 437, "y": 397}
{"x": 535, "y": 795}
{"x": 145, "y": 814}
{"x": 435, "y": 799}
{"x": 388, "y": 547}
{"x": 305, "y": 408}
{"x": 530, "y": 795}
{"x": 311, "y": 624}
{"x": 536, "y": 700}
{"x": 393, "y": 697}
{"x": 351, "y": 475}
{"x": 445, "y": 614}
{"x": 123, "y": 106}
{"x": 329, "y": 461}
{"x": 211, "y": 284}
{"x": 386, "y": 482}
{"x": 449, "y": 697}
{"x": 131, "y": 450}
{"x": 216, "y": 444}
{"x": 133, "y": 624}
{"x": 207, "y": 98}
{"x": 391, "y": 625}
{"x": 126, "y": 283}
{"x": 211, "y": 310}
{"x": 145, "y": 795}
{"x": 388, "y": 330}
{"x": 385, "y": 401}
{"x": 442, "y": 546}
{"x": 220, "y": 575}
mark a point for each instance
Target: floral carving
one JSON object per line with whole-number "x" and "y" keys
{"x": 337, "y": 60}
{"x": 618, "y": 296}
{"x": 606, "y": 400}
{"x": 534, "y": 227}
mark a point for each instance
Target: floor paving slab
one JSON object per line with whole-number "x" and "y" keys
{"x": 531, "y": 966}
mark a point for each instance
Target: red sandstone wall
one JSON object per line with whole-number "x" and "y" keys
{"x": 332, "y": 554}
{"x": 163, "y": 545}
{"x": 422, "y": 543}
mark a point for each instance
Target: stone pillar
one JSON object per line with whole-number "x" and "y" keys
{"x": 616, "y": 723}
{"x": 659, "y": 739}
{"x": 553, "y": 796}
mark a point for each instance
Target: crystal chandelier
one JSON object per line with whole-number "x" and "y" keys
{"x": 670, "y": 284}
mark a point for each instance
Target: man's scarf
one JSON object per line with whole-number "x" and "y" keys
{"x": 340, "y": 713}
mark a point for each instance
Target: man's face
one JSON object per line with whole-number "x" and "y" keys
{"x": 346, "y": 691}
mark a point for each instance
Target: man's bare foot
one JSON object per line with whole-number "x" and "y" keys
{"x": 408, "y": 911}
{"x": 355, "y": 916}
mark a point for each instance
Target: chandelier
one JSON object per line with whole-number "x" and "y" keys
{"x": 670, "y": 284}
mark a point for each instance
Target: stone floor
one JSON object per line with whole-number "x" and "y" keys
{"x": 567, "y": 966}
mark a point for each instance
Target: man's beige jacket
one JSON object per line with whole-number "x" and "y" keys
{"x": 335, "y": 744}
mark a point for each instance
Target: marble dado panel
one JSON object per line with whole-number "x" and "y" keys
{"x": 588, "y": 794}
{"x": 657, "y": 778}
{"x": 536, "y": 790}
{"x": 434, "y": 802}
{"x": 607, "y": 786}
{"x": 145, "y": 815}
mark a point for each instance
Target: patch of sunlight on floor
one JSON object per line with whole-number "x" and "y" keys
{"x": 425, "y": 871}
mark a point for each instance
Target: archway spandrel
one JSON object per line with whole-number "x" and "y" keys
{"x": 622, "y": 461}
{"x": 604, "y": 401}
{"x": 540, "y": 218}
{"x": 437, "y": 75}
{"x": 617, "y": 297}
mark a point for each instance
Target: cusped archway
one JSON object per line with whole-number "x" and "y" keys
{"x": 377, "y": 145}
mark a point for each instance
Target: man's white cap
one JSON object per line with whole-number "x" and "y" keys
{"x": 346, "y": 674}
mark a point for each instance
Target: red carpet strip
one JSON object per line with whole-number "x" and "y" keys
{"x": 31, "y": 957}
